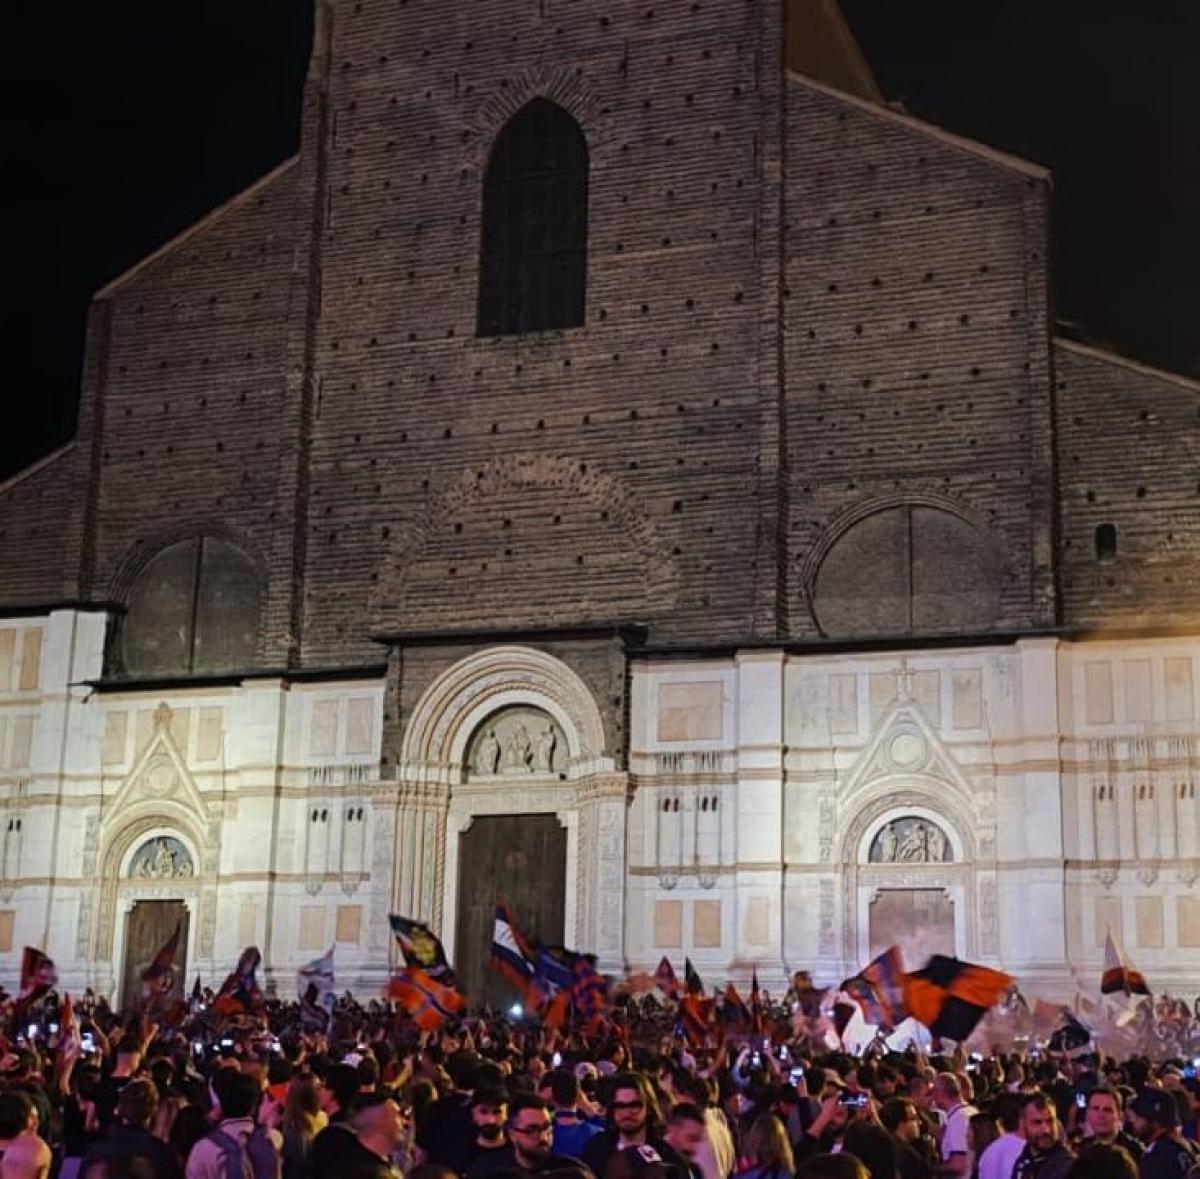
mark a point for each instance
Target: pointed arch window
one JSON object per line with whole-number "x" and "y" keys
{"x": 533, "y": 250}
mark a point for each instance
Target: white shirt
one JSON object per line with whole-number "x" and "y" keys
{"x": 956, "y": 1131}
{"x": 998, "y": 1160}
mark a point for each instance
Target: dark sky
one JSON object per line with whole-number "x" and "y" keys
{"x": 133, "y": 119}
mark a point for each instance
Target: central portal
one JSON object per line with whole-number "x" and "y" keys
{"x": 521, "y": 859}
{"x": 918, "y": 920}
{"x": 149, "y": 926}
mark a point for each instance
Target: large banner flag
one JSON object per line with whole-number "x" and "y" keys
{"x": 38, "y": 976}
{"x": 589, "y": 990}
{"x": 314, "y": 983}
{"x": 667, "y": 980}
{"x": 950, "y": 997}
{"x": 512, "y": 958}
{"x": 691, "y": 978}
{"x": 1119, "y": 976}
{"x": 878, "y": 989}
{"x": 422, "y": 948}
{"x": 429, "y": 1003}
{"x": 161, "y": 998}
{"x": 695, "y": 1016}
{"x": 240, "y": 993}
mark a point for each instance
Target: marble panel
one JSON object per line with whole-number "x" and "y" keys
{"x": 706, "y": 924}
{"x": 1098, "y": 694}
{"x": 312, "y": 927}
{"x": 1108, "y": 916}
{"x": 1139, "y": 702}
{"x": 843, "y": 704}
{"x": 690, "y": 711}
{"x": 1149, "y": 914}
{"x": 116, "y": 725}
{"x": 1181, "y": 705}
{"x": 966, "y": 698}
{"x": 208, "y": 736}
{"x": 322, "y": 732}
{"x": 668, "y": 924}
{"x": 31, "y": 659}
{"x": 360, "y": 724}
{"x": 348, "y": 928}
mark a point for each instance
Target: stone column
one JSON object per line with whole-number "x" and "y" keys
{"x": 600, "y": 924}
{"x": 419, "y": 850}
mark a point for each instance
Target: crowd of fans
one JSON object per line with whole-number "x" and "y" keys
{"x": 488, "y": 1097}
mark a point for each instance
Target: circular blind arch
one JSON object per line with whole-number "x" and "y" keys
{"x": 194, "y": 609}
{"x": 907, "y": 569}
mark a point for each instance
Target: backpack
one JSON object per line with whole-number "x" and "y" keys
{"x": 258, "y": 1159}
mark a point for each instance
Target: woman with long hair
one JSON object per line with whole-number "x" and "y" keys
{"x": 302, "y": 1121}
{"x": 766, "y": 1151}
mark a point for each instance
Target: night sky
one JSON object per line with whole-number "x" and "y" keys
{"x": 131, "y": 120}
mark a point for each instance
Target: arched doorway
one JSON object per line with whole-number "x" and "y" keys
{"x": 506, "y": 789}
{"x": 156, "y": 895}
{"x": 909, "y": 882}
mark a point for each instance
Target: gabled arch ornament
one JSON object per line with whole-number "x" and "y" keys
{"x": 158, "y": 801}
{"x": 439, "y": 798}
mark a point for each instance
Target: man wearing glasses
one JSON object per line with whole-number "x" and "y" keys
{"x": 635, "y": 1120}
{"x": 530, "y": 1132}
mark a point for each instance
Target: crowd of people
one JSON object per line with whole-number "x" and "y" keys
{"x": 491, "y": 1097}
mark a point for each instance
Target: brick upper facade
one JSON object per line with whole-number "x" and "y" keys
{"x": 804, "y": 312}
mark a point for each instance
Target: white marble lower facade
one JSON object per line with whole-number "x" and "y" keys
{"x": 780, "y": 810}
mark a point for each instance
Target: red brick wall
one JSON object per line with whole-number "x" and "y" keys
{"x": 915, "y": 331}
{"x": 34, "y": 508}
{"x": 601, "y": 473}
{"x": 1129, "y": 456}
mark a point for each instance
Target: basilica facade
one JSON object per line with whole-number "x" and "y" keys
{"x": 622, "y": 465}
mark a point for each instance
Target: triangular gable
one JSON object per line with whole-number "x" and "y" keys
{"x": 159, "y": 774}
{"x": 905, "y": 743}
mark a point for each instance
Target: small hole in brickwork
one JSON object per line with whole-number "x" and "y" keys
{"x": 964, "y": 318}
{"x": 447, "y": 433}
{"x": 858, "y": 329}
{"x": 1106, "y": 542}
{"x": 927, "y": 276}
{"x": 541, "y": 423}
{"x": 579, "y": 559}
{"x": 912, "y": 325}
{"x": 1141, "y": 493}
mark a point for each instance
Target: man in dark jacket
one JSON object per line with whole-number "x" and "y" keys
{"x": 1154, "y": 1120}
{"x": 1044, "y": 1156}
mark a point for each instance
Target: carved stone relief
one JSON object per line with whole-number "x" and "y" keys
{"x": 911, "y": 840}
{"x": 161, "y": 858}
{"x": 516, "y": 742}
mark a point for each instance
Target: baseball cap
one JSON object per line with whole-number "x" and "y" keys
{"x": 1156, "y": 1105}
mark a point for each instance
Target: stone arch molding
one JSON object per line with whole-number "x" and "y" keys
{"x": 920, "y": 799}
{"x": 452, "y": 708}
{"x": 524, "y": 476}
{"x": 159, "y": 797}
{"x": 558, "y": 84}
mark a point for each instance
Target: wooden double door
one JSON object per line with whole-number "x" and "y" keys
{"x": 521, "y": 859}
{"x": 147, "y": 928}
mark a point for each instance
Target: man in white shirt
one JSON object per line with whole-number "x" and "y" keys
{"x": 946, "y": 1096}
{"x": 999, "y": 1158}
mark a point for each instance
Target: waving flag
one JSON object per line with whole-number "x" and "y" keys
{"x": 429, "y": 1003}
{"x": 38, "y": 976}
{"x": 667, "y": 980}
{"x": 735, "y": 1014}
{"x": 879, "y": 989}
{"x": 695, "y": 1016}
{"x": 512, "y": 958}
{"x": 70, "y": 1043}
{"x": 758, "y": 1017}
{"x": 240, "y": 993}
{"x": 589, "y": 991}
{"x": 314, "y": 982}
{"x": 950, "y": 997}
{"x": 691, "y": 979}
{"x": 1119, "y": 975}
{"x": 422, "y": 948}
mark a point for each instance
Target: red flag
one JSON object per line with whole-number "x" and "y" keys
{"x": 69, "y": 1041}
{"x": 735, "y": 1014}
{"x": 758, "y": 1017}
{"x": 429, "y": 1003}
{"x": 37, "y": 977}
{"x": 240, "y": 993}
{"x": 695, "y": 1014}
{"x": 664, "y": 976}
